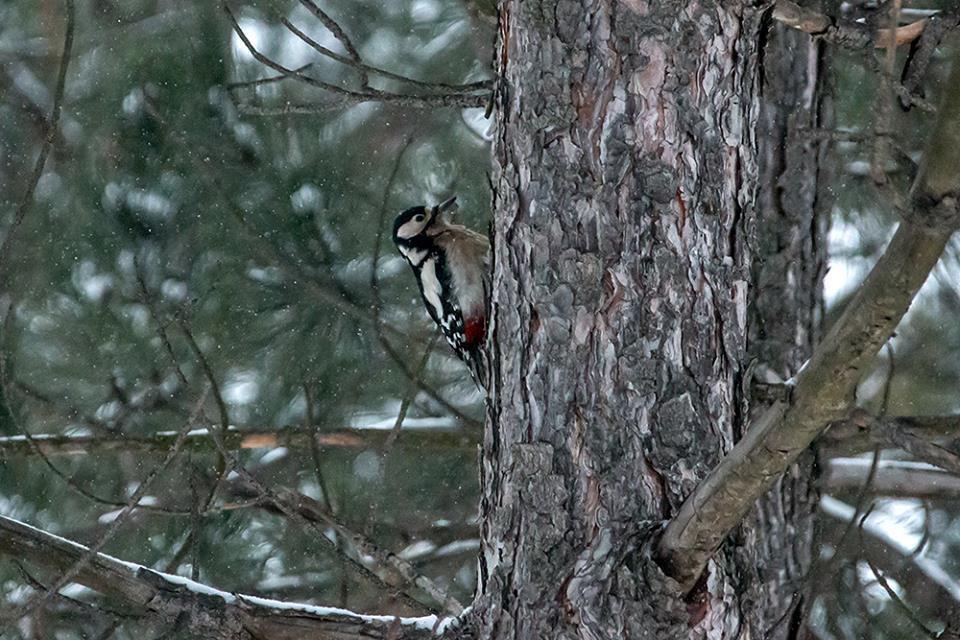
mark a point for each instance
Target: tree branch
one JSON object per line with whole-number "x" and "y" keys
{"x": 824, "y": 388}
{"x": 894, "y": 541}
{"x": 424, "y": 437}
{"x": 893, "y": 478}
{"x": 52, "y": 124}
{"x": 460, "y": 99}
{"x": 208, "y": 612}
{"x": 844, "y": 32}
{"x": 359, "y": 65}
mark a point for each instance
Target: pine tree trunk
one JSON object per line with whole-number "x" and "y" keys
{"x": 626, "y": 226}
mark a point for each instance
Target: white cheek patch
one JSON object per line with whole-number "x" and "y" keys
{"x": 415, "y": 256}
{"x": 410, "y": 229}
{"x": 431, "y": 286}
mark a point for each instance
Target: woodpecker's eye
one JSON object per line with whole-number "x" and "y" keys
{"x": 418, "y": 217}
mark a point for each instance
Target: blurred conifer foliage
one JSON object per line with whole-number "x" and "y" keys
{"x": 166, "y": 210}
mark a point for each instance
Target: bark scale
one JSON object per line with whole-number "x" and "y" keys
{"x": 625, "y": 176}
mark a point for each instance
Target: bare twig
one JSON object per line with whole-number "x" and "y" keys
{"x": 333, "y": 27}
{"x": 921, "y": 53}
{"x": 899, "y": 601}
{"x": 378, "y": 238}
{"x": 883, "y": 105}
{"x": 291, "y": 504}
{"x": 888, "y": 383}
{"x": 405, "y": 403}
{"x": 368, "y": 95}
{"x": 147, "y": 300}
{"x": 894, "y": 541}
{"x": 919, "y": 448}
{"x": 47, "y": 146}
{"x": 290, "y": 108}
{"x": 893, "y": 478}
{"x": 264, "y": 81}
{"x": 365, "y": 68}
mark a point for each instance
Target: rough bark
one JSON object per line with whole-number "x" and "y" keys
{"x": 793, "y": 209}
{"x": 625, "y": 171}
{"x": 825, "y": 387}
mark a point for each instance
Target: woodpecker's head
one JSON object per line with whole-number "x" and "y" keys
{"x": 415, "y": 223}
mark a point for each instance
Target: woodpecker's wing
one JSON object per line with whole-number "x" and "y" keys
{"x": 467, "y": 256}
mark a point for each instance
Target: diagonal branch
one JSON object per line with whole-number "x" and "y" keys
{"x": 208, "y": 612}
{"x": 824, "y": 389}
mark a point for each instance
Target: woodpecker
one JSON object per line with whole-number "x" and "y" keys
{"x": 450, "y": 263}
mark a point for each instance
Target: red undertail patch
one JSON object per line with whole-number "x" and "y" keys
{"x": 474, "y": 330}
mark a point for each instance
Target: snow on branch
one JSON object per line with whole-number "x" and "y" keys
{"x": 212, "y": 612}
{"x": 824, "y": 390}
{"x": 428, "y": 435}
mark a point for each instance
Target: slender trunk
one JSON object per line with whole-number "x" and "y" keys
{"x": 793, "y": 212}
{"x": 625, "y": 235}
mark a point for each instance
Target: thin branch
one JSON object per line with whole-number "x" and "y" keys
{"x": 82, "y": 562}
{"x": 369, "y": 94}
{"x": 405, "y": 403}
{"x": 824, "y": 390}
{"x": 883, "y": 105}
{"x": 919, "y": 448}
{"x": 209, "y": 612}
{"x": 365, "y": 68}
{"x": 425, "y": 437}
{"x": 893, "y": 478}
{"x": 311, "y": 426}
{"x": 290, "y": 108}
{"x": 387, "y": 446}
{"x": 894, "y": 541}
{"x": 367, "y": 547}
{"x": 45, "y": 149}
{"x": 899, "y": 601}
{"x": 922, "y": 51}
{"x": 333, "y": 27}
{"x": 378, "y": 238}
{"x": 292, "y": 504}
{"x": 264, "y": 81}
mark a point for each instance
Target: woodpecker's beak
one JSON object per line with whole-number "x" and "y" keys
{"x": 447, "y": 206}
